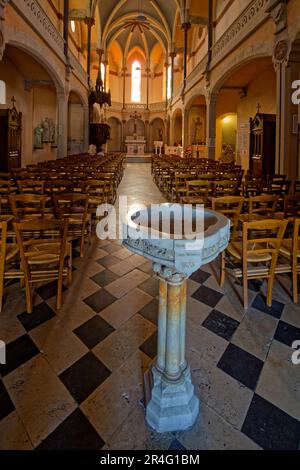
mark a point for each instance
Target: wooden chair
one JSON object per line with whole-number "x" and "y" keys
{"x": 292, "y": 206}
{"x": 28, "y": 205}
{"x": 8, "y": 254}
{"x": 290, "y": 249}
{"x": 31, "y": 186}
{"x": 44, "y": 258}
{"x": 262, "y": 207}
{"x": 231, "y": 207}
{"x": 74, "y": 207}
{"x": 259, "y": 248}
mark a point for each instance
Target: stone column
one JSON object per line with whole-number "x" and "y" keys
{"x": 148, "y": 70}
{"x": 186, "y": 27}
{"x": 90, "y": 23}
{"x": 124, "y": 70}
{"x": 86, "y": 113}
{"x": 172, "y": 55}
{"x": 147, "y": 132}
{"x": 3, "y": 4}
{"x": 62, "y": 121}
{"x": 211, "y": 102}
{"x": 286, "y": 140}
{"x": 185, "y": 129}
{"x": 123, "y": 135}
{"x": 173, "y": 405}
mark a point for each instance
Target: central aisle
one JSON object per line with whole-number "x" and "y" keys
{"x": 137, "y": 184}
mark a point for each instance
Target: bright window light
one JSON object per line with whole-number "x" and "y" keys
{"x": 73, "y": 26}
{"x": 2, "y": 92}
{"x": 136, "y": 82}
{"x": 169, "y": 78}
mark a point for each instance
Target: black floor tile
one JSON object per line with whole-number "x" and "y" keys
{"x": 41, "y": 313}
{"x": 108, "y": 261}
{"x": 6, "y": 405}
{"x": 207, "y": 296}
{"x": 241, "y": 365}
{"x": 175, "y": 445}
{"x": 270, "y": 427}
{"x": 275, "y": 310}
{"x": 99, "y": 300}
{"x": 93, "y": 331}
{"x": 104, "y": 278}
{"x": 149, "y": 347}
{"x": 151, "y": 286}
{"x": 221, "y": 324}
{"x": 286, "y": 333}
{"x": 18, "y": 352}
{"x": 83, "y": 377}
{"x": 200, "y": 276}
{"x": 75, "y": 433}
{"x": 49, "y": 290}
{"x": 150, "y": 311}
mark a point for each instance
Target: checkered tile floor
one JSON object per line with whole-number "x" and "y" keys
{"x": 74, "y": 378}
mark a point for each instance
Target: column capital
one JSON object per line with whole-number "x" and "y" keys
{"x": 170, "y": 275}
{"x": 186, "y": 26}
{"x": 89, "y": 21}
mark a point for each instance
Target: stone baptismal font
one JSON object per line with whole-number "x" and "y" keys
{"x": 175, "y": 255}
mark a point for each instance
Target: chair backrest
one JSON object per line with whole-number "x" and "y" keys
{"x": 27, "y": 204}
{"x": 69, "y": 203}
{"x": 296, "y": 239}
{"x": 263, "y": 237}
{"x": 292, "y": 205}
{"x": 42, "y": 233}
{"x": 231, "y": 207}
{"x": 31, "y": 186}
{"x": 264, "y": 205}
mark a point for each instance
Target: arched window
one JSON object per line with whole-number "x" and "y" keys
{"x": 2, "y": 92}
{"x": 102, "y": 66}
{"x": 136, "y": 82}
{"x": 169, "y": 82}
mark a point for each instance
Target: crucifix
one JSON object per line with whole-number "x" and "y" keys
{"x": 135, "y": 117}
{"x": 258, "y": 107}
{"x": 13, "y": 100}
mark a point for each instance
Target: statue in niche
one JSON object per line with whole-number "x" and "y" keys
{"x": 51, "y": 130}
{"x": 46, "y": 130}
{"x": 160, "y": 135}
{"x": 38, "y": 134}
{"x": 197, "y": 130}
{"x": 227, "y": 154}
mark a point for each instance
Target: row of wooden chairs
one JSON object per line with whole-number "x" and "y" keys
{"x": 259, "y": 244}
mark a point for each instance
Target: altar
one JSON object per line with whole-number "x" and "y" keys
{"x": 135, "y": 145}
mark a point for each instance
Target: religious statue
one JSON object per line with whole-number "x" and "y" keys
{"x": 38, "y": 133}
{"x": 51, "y": 131}
{"x": 46, "y": 130}
{"x": 197, "y": 128}
{"x": 160, "y": 135}
{"x": 227, "y": 154}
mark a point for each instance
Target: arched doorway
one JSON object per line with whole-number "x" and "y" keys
{"x": 76, "y": 123}
{"x": 249, "y": 88}
{"x": 36, "y": 98}
{"x": 115, "y": 142}
{"x": 196, "y": 131}
{"x": 157, "y": 131}
{"x": 177, "y": 128}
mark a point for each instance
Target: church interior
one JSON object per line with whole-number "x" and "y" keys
{"x": 122, "y": 344}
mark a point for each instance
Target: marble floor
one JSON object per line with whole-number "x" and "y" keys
{"x": 74, "y": 377}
